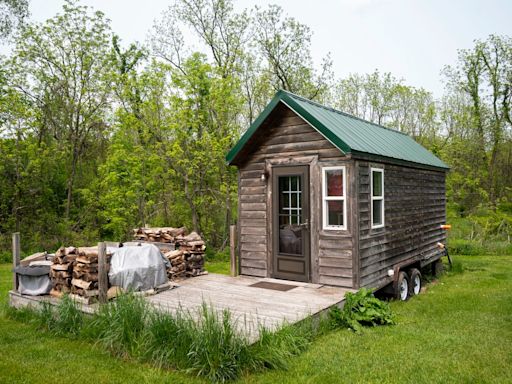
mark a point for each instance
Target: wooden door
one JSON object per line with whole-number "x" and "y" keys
{"x": 290, "y": 223}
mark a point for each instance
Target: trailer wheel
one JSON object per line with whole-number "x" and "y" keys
{"x": 402, "y": 287}
{"x": 437, "y": 268}
{"x": 415, "y": 282}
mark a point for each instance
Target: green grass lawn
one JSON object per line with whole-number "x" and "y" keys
{"x": 459, "y": 331}
{"x": 221, "y": 267}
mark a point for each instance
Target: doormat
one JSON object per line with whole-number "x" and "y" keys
{"x": 274, "y": 286}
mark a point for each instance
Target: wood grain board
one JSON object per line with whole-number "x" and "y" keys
{"x": 251, "y": 307}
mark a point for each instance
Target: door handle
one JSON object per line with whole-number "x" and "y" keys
{"x": 305, "y": 225}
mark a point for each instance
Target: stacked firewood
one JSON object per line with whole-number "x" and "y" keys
{"x": 188, "y": 259}
{"x": 85, "y": 274}
{"x": 61, "y": 270}
{"x": 159, "y": 235}
{"x": 178, "y": 268}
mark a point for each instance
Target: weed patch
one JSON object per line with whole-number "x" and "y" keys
{"x": 360, "y": 309}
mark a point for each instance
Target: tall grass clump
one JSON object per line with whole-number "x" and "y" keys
{"x": 167, "y": 339}
{"x": 217, "y": 350}
{"x": 23, "y": 314}
{"x": 64, "y": 319}
{"x": 274, "y": 349}
{"x": 68, "y": 318}
{"x": 119, "y": 325}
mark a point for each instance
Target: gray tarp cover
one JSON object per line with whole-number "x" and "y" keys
{"x": 138, "y": 268}
{"x": 34, "y": 280}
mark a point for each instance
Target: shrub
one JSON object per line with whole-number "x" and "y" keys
{"x": 361, "y": 308}
{"x": 213, "y": 255}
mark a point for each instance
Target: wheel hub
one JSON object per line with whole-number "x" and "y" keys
{"x": 404, "y": 288}
{"x": 417, "y": 285}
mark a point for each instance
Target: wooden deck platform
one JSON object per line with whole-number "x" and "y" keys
{"x": 251, "y": 307}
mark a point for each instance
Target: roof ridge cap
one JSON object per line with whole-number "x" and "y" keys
{"x": 341, "y": 112}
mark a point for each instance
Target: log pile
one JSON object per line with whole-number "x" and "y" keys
{"x": 75, "y": 271}
{"x": 188, "y": 259}
{"x": 61, "y": 270}
{"x": 84, "y": 283}
{"x": 159, "y": 235}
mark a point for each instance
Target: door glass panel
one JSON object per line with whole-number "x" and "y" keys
{"x": 290, "y": 215}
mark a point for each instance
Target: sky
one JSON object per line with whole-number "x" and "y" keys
{"x": 412, "y": 39}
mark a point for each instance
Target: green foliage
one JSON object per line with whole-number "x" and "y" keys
{"x": 118, "y": 325}
{"x": 485, "y": 231}
{"x": 360, "y": 309}
{"x": 274, "y": 350}
{"x": 66, "y": 319}
{"x": 217, "y": 348}
{"x": 217, "y": 256}
{"x": 12, "y": 15}
{"x": 456, "y": 267}
{"x": 167, "y": 339}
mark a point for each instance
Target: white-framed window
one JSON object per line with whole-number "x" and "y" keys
{"x": 334, "y": 192}
{"x": 377, "y": 197}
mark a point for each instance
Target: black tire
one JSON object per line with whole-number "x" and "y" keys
{"x": 402, "y": 287}
{"x": 437, "y": 268}
{"x": 415, "y": 282}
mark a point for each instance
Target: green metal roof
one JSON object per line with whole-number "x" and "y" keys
{"x": 348, "y": 133}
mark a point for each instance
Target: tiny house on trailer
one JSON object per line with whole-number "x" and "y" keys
{"x": 328, "y": 198}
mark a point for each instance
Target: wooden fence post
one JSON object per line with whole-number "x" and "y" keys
{"x": 102, "y": 272}
{"x": 232, "y": 250}
{"x": 15, "y": 259}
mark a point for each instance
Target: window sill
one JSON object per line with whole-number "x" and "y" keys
{"x": 335, "y": 232}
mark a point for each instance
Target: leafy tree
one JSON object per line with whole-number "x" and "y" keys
{"x": 133, "y": 188}
{"x": 203, "y": 132}
{"x": 12, "y": 14}
{"x": 483, "y": 75}
{"x": 385, "y": 100}
{"x": 63, "y": 66}
{"x": 285, "y": 45}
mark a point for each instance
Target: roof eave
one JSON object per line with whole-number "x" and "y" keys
{"x": 379, "y": 158}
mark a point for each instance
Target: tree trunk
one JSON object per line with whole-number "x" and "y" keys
{"x": 71, "y": 181}
{"x": 193, "y": 210}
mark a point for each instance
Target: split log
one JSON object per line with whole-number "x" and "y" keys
{"x": 88, "y": 251}
{"x": 56, "y": 293}
{"x": 87, "y": 259}
{"x": 62, "y": 267}
{"x": 60, "y": 274}
{"x": 81, "y": 283}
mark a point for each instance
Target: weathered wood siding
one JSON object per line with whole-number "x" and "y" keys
{"x": 287, "y": 137}
{"x": 414, "y": 203}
